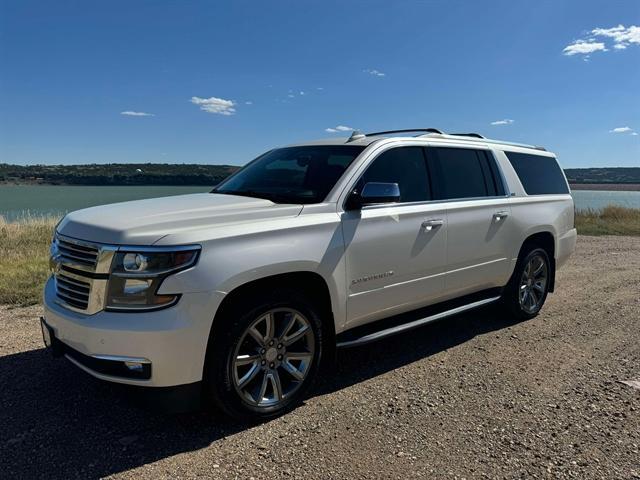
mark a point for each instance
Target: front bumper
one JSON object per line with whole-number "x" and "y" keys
{"x": 171, "y": 343}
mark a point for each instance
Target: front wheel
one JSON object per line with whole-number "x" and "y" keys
{"x": 527, "y": 290}
{"x": 265, "y": 355}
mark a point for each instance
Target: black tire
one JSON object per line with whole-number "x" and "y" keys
{"x": 229, "y": 337}
{"x": 514, "y": 292}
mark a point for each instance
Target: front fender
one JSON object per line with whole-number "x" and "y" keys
{"x": 304, "y": 246}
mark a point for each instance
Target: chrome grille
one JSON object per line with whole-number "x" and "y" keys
{"x": 72, "y": 290}
{"x": 80, "y": 270}
{"x": 74, "y": 252}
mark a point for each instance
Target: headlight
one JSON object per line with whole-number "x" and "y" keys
{"x": 137, "y": 275}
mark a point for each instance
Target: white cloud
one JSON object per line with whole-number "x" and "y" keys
{"x": 621, "y": 130}
{"x": 319, "y": 88}
{"x": 374, "y": 72}
{"x": 621, "y": 36}
{"x": 339, "y": 128}
{"x": 291, "y": 95}
{"x": 131, "y": 113}
{"x": 506, "y": 121}
{"x": 301, "y": 93}
{"x": 215, "y": 105}
{"x": 635, "y": 134}
{"x": 583, "y": 47}
{"x": 248, "y": 102}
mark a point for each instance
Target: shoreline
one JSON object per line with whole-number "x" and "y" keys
{"x": 610, "y": 187}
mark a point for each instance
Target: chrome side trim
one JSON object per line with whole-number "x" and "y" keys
{"x": 419, "y": 279}
{"x": 444, "y": 202}
{"x": 416, "y": 323}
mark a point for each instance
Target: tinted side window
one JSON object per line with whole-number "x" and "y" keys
{"x": 539, "y": 175}
{"x": 405, "y": 166}
{"x": 460, "y": 173}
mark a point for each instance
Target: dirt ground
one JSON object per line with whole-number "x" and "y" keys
{"x": 475, "y": 396}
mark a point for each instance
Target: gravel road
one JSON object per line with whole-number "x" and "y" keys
{"x": 476, "y": 396}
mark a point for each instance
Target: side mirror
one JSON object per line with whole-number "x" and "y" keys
{"x": 374, "y": 193}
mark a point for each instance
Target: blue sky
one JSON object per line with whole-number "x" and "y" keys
{"x": 224, "y": 81}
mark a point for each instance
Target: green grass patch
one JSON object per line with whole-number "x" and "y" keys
{"x": 610, "y": 220}
{"x": 24, "y": 259}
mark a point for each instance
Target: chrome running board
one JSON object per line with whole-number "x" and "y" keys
{"x": 371, "y": 337}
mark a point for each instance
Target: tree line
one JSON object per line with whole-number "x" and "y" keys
{"x": 116, "y": 174}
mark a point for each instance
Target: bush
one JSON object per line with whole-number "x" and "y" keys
{"x": 610, "y": 220}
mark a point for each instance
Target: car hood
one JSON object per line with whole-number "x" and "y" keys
{"x": 144, "y": 222}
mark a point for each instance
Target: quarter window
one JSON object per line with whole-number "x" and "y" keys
{"x": 405, "y": 166}
{"x": 538, "y": 174}
{"x": 462, "y": 173}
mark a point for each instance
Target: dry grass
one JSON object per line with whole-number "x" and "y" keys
{"x": 611, "y": 220}
{"x": 24, "y": 259}
{"x": 24, "y": 248}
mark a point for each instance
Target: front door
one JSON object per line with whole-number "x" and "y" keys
{"x": 395, "y": 253}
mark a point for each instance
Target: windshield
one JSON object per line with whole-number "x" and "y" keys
{"x": 293, "y": 174}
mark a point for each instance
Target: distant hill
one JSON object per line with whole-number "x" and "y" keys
{"x": 603, "y": 175}
{"x": 197, "y": 174}
{"x": 116, "y": 174}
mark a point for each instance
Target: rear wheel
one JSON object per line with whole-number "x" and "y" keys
{"x": 264, "y": 355}
{"x": 527, "y": 290}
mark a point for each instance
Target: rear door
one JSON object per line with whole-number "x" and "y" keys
{"x": 395, "y": 259}
{"x": 479, "y": 228}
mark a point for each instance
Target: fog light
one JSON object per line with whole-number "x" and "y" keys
{"x": 134, "y": 366}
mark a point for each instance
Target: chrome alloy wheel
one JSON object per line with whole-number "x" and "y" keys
{"x": 273, "y": 357}
{"x": 533, "y": 284}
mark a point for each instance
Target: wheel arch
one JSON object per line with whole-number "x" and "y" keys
{"x": 309, "y": 282}
{"x": 546, "y": 240}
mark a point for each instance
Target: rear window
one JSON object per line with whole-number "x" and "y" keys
{"x": 539, "y": 175}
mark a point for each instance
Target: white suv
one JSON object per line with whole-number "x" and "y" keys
{"x": 238, "y": 294}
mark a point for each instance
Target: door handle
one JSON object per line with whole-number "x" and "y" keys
{"x": 500, "y": 215}
{"x": 429, "y": 225}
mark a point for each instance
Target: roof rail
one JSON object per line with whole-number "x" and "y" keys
{"x": 478, "y": 138}
{"x": 409, "y": 130}
{"x": 471, "y": 137}
{"x": 475, "y": 135}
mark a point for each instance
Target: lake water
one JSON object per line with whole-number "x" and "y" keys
{"x": 19, "y": 200}
{"x": 39, "y": 200}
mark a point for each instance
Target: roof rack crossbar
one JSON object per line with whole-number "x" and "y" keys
{"x": 408, "y": 130}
